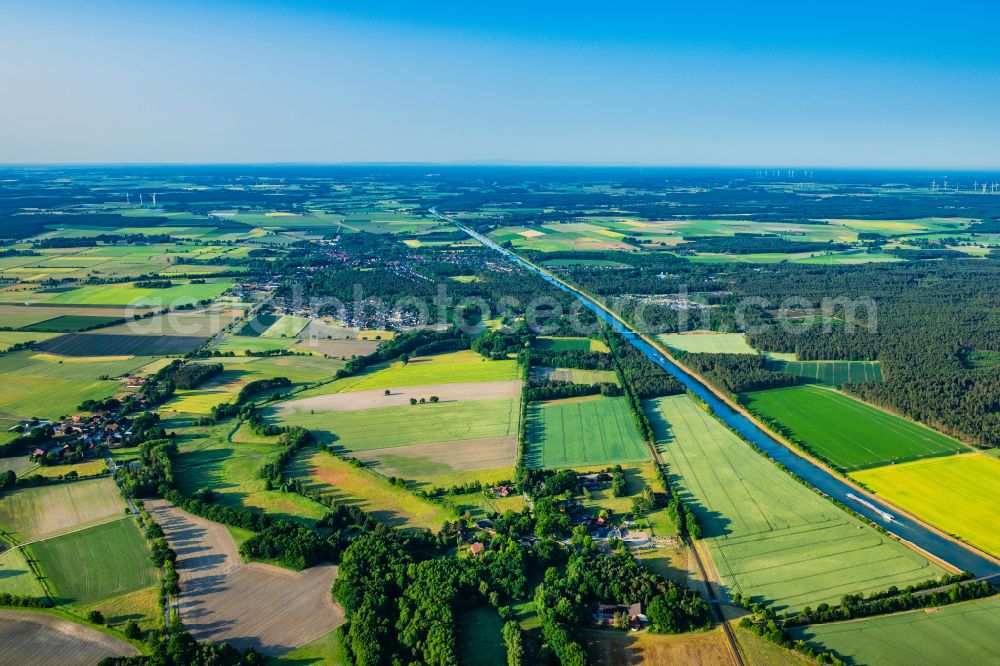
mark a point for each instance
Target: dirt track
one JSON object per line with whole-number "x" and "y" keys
{"x": 250, "y": 605}
{"x": 351, "y": 400}
{"x": 28, "y": 637}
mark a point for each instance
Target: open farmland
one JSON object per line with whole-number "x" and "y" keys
{"x": 250, "y": 605}
{"x": 98, "y": 562}
{"x": 606, "y": 648}
{"x": 240, "y": 344}
{"x": 288, "y": 326}
{"x": 399, "y": 426}
{"x": 97, "y": 344}
{"x": 771, "y": 537}
{"x": 128, "y": 294}
{"x": 16, "y": 577}
{"x": 198, "y": 323}
{"x": 43, "y": 511}
{"x": 208, "y": 460}
{"x": 582, "y": 431}
{"x": 831, "y": 373}
{"x": 45, "y": 398}
{"x": 346, "y": 484}
{"x": 70, "y": 323}
{"x": 574, "y": 375}
{"x": 957, "y": 634}
{"x": 845, "y": 431}
{"x": 240, "y": 371}
{"x": 11, "y": 338}
{"x": 557, "y": 344}
{"x": 40, "y": 639}
{"x": 958, "y": 494}
{"x": 707, "y": 342}
{"x": 462, "y": 366}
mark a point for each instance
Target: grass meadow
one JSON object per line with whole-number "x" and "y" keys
{"x": 957, "y": 634}
{"x": 582, "y": 431}
{"x": 958, "y": 494}
{"x": 42, "y": 511}
{"x": 770, "y": 536}
{"x": 845, "y": 431}
{"x": 391, "y": 427}
{"x": 454, "y": 368}
{"x": 16, "y": 576}
{"x": 831, "y": 373}
{"x": 347, "y": 484}
{"x": 98, "y": 562}
{"x": 707, "y": 342}
{"x": 129, "y": 294}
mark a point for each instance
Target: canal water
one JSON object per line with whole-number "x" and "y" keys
{"x": 817, "y": 477}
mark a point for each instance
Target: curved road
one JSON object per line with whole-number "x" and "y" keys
{"x": 909, "y": 530}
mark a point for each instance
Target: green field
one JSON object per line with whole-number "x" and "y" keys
{"x": 575, "y": 375}
{"x": 69, "y": 323}
{"x": 288, "y": 326}
{"x": 41, "y": 511}
{"x": 10, "y": 338}
{"x": 98, "y": 562}
{"x": 127, "y": 294}
{"x": 707, "y": 342}
{"x": 208, "y": 460}
{"x": 831, "y": 373}
{"x": 555, "y": 344}
{"x": 480, "y": 640}
{"x": 389, "y": 427}
{"x": 959, "y": 634}
{"x": 239, "y": 344}
{"x": 582, "y": 431}
{"x": 15, "y": 575}
{"x": 329, "y": 475}
{"x": 958, "y": 494}
{"x": 770, "y": 536}
{"x": 845, "y": 431}
{"x": 454, "y": 368}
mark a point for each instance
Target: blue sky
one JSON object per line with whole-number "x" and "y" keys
{"x": 774, "y": 84}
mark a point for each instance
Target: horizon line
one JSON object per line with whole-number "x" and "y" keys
{"x": 513, "y": 164}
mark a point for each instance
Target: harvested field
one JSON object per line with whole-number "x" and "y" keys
{"x": 372, "y": 398}
{"x": 96, "y": 344}
{"x": 339, "y": 348}
{"x": 11, "y": 338}
{"x": 43, "y": 511}
{"x": 845, "y": 431}
{"x": 770, "y": 536}
{"x": 250, "y": 605}
{"x": 422, "y": 461}
{"x": 582, "y": 431}
{"x": 617, "y": 648}
{"x": 96, "y": 563}
{"x": 330, "y": 475}
{"x": 240, "y": 344}
{"x": 40, "y": 639}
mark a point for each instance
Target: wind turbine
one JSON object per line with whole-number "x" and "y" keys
{"x": 140, "y": 199}
{"x": 154, "y": 199}
{"x": 128, "y": 201}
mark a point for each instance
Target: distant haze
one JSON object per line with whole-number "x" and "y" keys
{"x": 771, "y": 84}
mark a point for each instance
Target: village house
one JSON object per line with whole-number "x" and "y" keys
{"x": 606, "y": 614}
